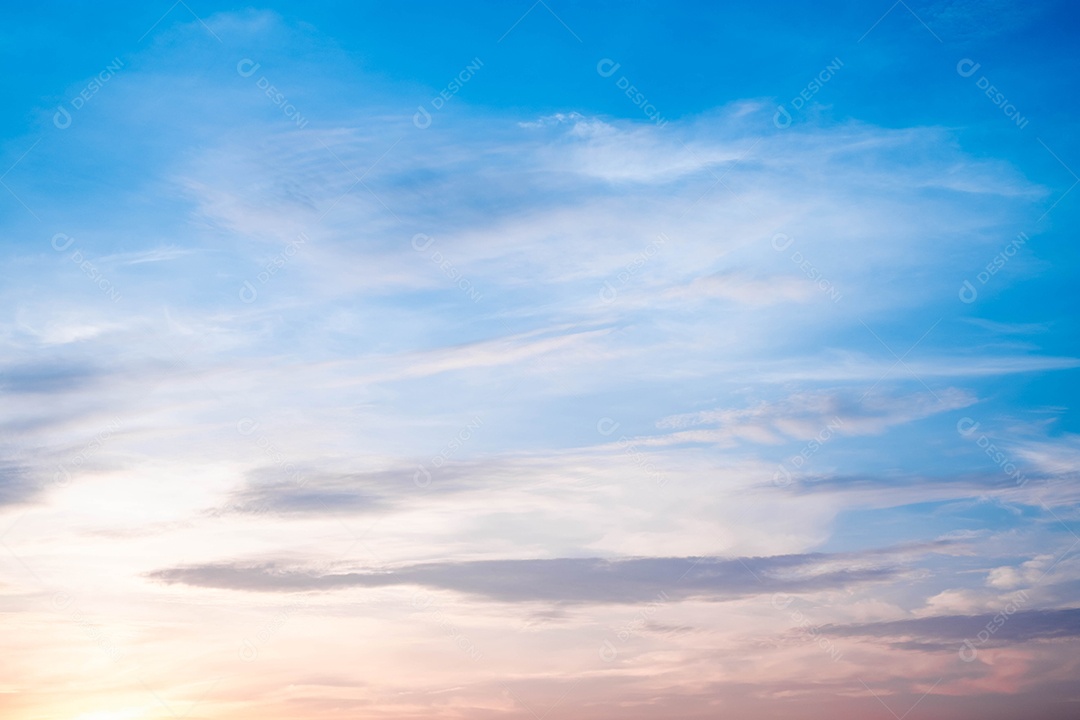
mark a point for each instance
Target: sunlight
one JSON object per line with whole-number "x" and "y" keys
{"x": 130, "y": 714}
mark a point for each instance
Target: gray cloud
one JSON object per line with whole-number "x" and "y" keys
{"x": 946, "y": 631}
{"x": 959, "y": 485}
{"x": 293, "y": 499}
{"x": 16, "y": 484}
{"x": 47, "y": 377}
{"x": 567, "y": 580}
{"x": 305, "y": 491}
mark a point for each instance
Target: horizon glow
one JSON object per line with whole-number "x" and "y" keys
{"x": 539, "y": 360}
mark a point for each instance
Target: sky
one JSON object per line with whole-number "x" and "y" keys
{"x": 555, "y": 360}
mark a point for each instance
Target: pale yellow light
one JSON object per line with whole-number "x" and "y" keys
{"x": 110, "y": 715}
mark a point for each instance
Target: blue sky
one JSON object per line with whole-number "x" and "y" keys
{"x": 536, "y": 343}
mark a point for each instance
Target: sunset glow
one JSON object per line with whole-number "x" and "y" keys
{"x": 540, "y": 361}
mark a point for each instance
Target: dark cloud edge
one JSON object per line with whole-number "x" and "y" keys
{"x": 568, "y": 580}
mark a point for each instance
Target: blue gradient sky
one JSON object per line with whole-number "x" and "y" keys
{"x": 329, "y": 396}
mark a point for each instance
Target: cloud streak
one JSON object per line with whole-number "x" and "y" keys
{"x": 561, "y": 580}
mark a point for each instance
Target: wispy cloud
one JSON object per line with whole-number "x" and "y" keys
{"x": 271, "y": 346}
{"x": 564, "y": 580}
